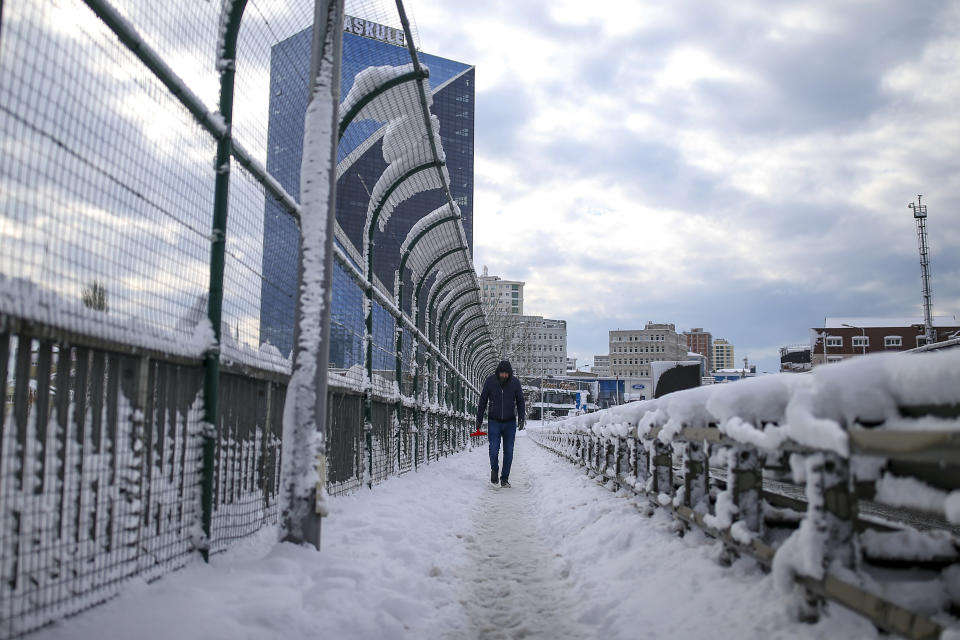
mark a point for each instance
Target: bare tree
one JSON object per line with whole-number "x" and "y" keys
{"x": 509, "y": 331}
{"x": 514, "y": 337}
{"x": 94, "y": 296}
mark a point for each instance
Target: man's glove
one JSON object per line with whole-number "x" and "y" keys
{"x": 479, "y": 425}
{"x": 521, "y": 425}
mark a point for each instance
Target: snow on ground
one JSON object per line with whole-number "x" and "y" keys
{"x": 443, "y": 554}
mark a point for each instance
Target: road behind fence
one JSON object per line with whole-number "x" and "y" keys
{"x": 132, "y": 264}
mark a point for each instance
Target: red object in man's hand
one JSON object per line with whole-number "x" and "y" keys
{"x": 478, "y": 433}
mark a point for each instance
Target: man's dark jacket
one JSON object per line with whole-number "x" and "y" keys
{"x": 502, "y": 397}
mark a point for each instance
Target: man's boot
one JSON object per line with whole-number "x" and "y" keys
{"x": 494, "y": 477}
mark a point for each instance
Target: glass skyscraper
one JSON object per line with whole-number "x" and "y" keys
{"x": 360, "y": 163}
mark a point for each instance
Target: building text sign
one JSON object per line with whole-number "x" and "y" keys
{"x": 369, "y": 29}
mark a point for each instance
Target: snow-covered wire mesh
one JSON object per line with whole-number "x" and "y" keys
{"x": 108, "y": 194}
{"x": 106, "y": 183}
{"x": 110, "y": 120}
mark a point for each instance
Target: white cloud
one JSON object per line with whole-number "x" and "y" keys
{"x": 779, "y": 183}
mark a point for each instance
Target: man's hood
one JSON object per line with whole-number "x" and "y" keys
{"x": 504, "y": 366}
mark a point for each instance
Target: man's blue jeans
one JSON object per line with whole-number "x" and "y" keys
{"x": 507, "y": 431}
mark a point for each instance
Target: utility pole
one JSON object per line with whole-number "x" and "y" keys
{"x": 920, "y": 216}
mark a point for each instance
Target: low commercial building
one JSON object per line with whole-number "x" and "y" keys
{"x": 795, "y": 358}
{"x": 845, "y": 337}
{"x": 633, "y": 350}
{"x": 601, "y": 365}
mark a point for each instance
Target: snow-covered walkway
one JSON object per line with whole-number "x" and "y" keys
{"x": 443, "y": 554}
{"x": 513, "y": 585}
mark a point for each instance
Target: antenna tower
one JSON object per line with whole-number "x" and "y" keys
{"x": 920, "y": 216}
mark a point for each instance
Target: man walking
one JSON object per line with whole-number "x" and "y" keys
{"x": 507, "y": 413}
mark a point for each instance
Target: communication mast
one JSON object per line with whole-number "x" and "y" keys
{"x": 920, "y": 216}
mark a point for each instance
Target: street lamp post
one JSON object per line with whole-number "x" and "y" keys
{"x": 863, "y": 334}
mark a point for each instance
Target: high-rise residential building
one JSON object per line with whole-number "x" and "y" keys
{"x": 501, "y": 296}
{"x": 722, "y": 355}
{"x": 700, "y": 341}
{"x": 848, "y": 337}
{"x": 601, "y": 365}
{"x": 633, "y": 350}
{"x": 360, "y": 163}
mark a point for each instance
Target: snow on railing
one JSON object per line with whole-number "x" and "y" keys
{"x": 843, "y": 481}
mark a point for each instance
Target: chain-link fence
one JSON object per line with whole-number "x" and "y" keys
{"x": 149, "y": 235}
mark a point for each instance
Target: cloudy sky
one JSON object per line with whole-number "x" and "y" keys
{"x": 742, "y": 167}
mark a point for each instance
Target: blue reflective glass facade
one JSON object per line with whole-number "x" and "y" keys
{"x": 453, "y": 89}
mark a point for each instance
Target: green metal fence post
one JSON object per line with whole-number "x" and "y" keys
{"x": 226, "y": 64}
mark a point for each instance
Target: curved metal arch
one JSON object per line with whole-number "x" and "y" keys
{"x": 410, "y": 76}
{"x": 456, "y": 329}
{"x": 372, "y": 218}
{"x": 456, "y": 318}
{"x": 428, "y": 271}
{"x": 484, "y": 359}
{"x": 456, "y": 292}
{"x": 461, "y": 347}
{"x": 482, "y": 368}
{"x": 472, "y": 331}
{"x": 489, "y": 363}
{"x": 477, "y": 373}
{"x": 398, "y": 287}
{"x": 450, "y": 305}
{"x": 437, "y": 288}
{"x": 369, "y": 230}
{"x": 467, "y": 328}
{"x": 415, "y": 300}
{"x": 475, "y": 349}
{"x": 471, "y": 349}
{"x": 416, "y": 240}
{"x": 485, "y": 366}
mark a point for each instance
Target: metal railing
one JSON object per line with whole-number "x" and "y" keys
{"x": 842, "y": 509}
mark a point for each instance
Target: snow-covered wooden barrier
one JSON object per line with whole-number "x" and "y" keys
{"x": 845, "y": 481}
